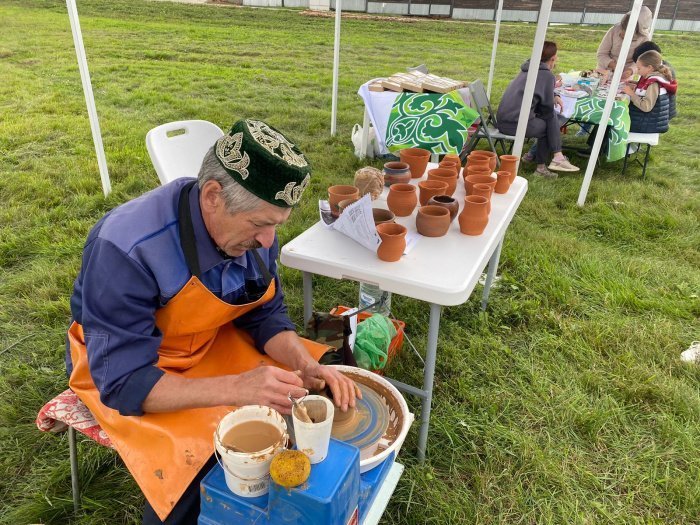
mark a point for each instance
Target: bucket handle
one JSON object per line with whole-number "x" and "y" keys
{"x": 219, "y": 460}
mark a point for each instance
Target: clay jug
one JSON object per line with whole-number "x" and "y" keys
{"x": 402, "y": 199}
{"x": 503, "y": 182}
{"x": 473, "y": 219}
{"x": 430, "y": 188}
{"x": 339, "y": 193}
{"x": 395, "y": 172}
{"x": 484, "y": 190}
{"x": 476, "y": 179}
{"x": 444, "y": 175}
{"x": 447, "y": 202}
{"x": 393, "y": 241}
{"x": 509, "y": 163}
{"x": 432, "y": 221}
{"x": 417, "y": 159}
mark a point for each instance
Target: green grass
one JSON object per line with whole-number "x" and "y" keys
{"x": 565, "y": 402}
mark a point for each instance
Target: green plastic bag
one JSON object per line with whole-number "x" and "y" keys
{"x": 372, "y": 342}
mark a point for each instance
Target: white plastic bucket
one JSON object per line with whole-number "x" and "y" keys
{"x": 248, "y": 473}
{"x": 313, "y": 438}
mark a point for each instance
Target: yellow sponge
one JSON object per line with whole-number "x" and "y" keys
{"x": 290, "y": 468}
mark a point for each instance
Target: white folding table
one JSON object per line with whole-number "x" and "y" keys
{"x": 441, "y": 271}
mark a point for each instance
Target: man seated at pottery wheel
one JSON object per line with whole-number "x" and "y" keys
{"x": 178, "y": 308}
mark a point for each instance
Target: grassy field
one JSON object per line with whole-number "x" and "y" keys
{"x": 564, "y": 403}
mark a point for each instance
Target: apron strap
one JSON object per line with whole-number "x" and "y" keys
{"x": 267, "y": 276}
{"x": 187, "y": 241}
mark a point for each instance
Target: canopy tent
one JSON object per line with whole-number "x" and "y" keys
{"x": 543, "y": 21}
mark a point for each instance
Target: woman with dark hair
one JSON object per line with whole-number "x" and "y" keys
{"x": 543, "y": 122}
{"x": 611, "y": 45}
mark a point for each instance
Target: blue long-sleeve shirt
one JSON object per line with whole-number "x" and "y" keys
{"x": 132, "y": 265}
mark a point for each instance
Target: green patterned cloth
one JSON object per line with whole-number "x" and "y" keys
{"x": 433, "y": 121}
{"x": 590, "y": 109}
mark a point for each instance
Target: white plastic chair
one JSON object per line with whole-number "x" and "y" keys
{"x": 650, "y": 139}
{"x": 178, "y": 148}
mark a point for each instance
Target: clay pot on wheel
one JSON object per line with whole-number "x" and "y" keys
{"x": 503, "y": 182}
{"x": 417, "y": 159}
{"x": 396, "y": 172}
{"x": 433, "y": 221}
{"x": 339, "y": 193}
{"x": 470, "y": 180}
{"x": 509, "y": 163}
{"x": 430, "y": 188}
{"x": 474, "y": 218}
{"x": 393, "y": 241}
{"x": 402, "y": 199}
{"x": 483, "y": 190}
{"x": 444, "y": 175}
{"x": 380, "y": 216}
{"x": 447, "y": 202}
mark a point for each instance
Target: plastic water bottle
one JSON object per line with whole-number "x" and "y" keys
{"x": 370, "y": 294}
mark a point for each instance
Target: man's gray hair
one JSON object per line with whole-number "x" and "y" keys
{"x": 237, "y": 199}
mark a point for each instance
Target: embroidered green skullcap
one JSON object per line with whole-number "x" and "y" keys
{"x": 264, "y": 162}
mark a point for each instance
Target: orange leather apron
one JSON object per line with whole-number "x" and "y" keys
{"x": 164, "y": 452}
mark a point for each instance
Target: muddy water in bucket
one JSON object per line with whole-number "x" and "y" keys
{"x": 247, "y": 439}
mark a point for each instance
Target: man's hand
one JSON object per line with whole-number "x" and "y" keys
{"x": 344, "y": 390}
{"x": 269, "y": 386}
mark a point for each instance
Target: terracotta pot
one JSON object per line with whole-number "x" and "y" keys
{"x": 493, "y": 159}
{"x": 478, "y": 170}
{"x": 447, "y": 202}
{"x": 345, "y": 203}
{"x": 381, "y": 216}
{"x": 470, "y": 180}
{"x": 478, "y": 160}
{"x": 396, "y": 172}
{"x": 453, "y": 157}
{"x": 393, "y": 241}
{"x": 430, "y": 188}
{"x": 433, "y": 221}
{"x": 339, "y": 193}
{"x": 484, "y": 190}
{"x": 402, "y": 199}
{"x": 474, "y": 218}
{"x": 445, "y": 175}
{"x": 503, "y": 182}
{"x": 417, "y": 159}
{"x": 450, "y": 165}
{"x": 509, "y": 163}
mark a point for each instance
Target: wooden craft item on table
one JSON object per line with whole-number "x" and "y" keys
{"x": 377, "y": 85}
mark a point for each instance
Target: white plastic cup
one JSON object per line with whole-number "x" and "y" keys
{"x": 248, "y": 473}
{"x": 313, "y": 438}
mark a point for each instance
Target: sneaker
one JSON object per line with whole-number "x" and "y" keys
{"x": 692, "y": 354}
{"x": 545, "y": 173}
{"x": 528, "y": 158}
{"x": 562, "y": 165}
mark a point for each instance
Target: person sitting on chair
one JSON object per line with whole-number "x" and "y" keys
{"x": 178, "y": 315}
{"x": 653, "y": 46}
{"x": 543, "y": 123}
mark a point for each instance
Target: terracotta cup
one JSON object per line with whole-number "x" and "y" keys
{"x": 430, "y": 188}
{"x": 453, "y": 157}
{"x": 396, "y": 172}
{"x": 485, "y": 191}
{"x": 470, "y": 180}
{"x": 449, "y": 164}
{"x": 402, "y": 199}
{"x": 340, "y": 193}
{"x": 493, "y": 159}
{"x": 381, "y": 215}
{"x": 447, "y": 202}
{"x": 509, "y": 163}
{"x": 433, "y": 221}
{"x": 345, "y": 203}
{"x": 417, "y": 159}
{"x": 477, "y": 160}
{"x": 393, "y": 241}
{"x": 474, "y": 218}
{"x": 444, "y": 175}
{"x": 502, "y": 182}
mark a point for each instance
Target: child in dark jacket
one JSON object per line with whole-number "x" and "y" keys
{"x": 649, "y": 100}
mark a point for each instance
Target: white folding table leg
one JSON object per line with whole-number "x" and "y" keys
{"x": 308, "y": 287}
{"x": 365, "y": 134}
{"x": 491, "y": 273}
{"x": 428, "y": 377}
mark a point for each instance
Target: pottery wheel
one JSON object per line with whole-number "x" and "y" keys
{"x": 365, "y": 425}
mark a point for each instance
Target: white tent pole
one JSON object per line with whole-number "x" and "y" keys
{"x": 653, "y": 21}
{"x": 89, "y": 98}
{"x": 542, "y": 22}
{"x": 494, "y": 47}
{"x": 336, "y": 66}
{"x": 617, "y": 75}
